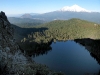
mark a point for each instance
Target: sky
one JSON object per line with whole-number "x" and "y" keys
{"x": 43, "y": 6}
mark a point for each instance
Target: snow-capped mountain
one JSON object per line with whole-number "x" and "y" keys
{"x": 74, "y": 8}
{"x": 66, "y": 13}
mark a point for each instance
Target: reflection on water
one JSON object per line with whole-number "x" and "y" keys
{"x": 93, "y": 46}
{"x": 42, "y": 49}
{"x": 35, "y": 49}
{"x": 73, "y": 57}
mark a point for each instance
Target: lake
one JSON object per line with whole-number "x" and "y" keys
{"x": 69, "y": 57}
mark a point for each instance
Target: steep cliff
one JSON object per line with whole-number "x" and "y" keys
{"x": 10, "y": 54}
{"x": 12, "y": 60}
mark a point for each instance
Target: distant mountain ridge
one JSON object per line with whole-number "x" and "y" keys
{"x": 65, "y": 13}
{"x": 69, "y": 12}
{"x": 61, "y": 15}
{"x": 26, "y": 16}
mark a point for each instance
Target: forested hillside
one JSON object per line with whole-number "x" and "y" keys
{"x": 68, "y": 29}
{"x": 60, "y": 30}
{"x": 25, "y": 22}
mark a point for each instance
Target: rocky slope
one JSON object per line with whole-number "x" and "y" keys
{"x": 12, "y": 60}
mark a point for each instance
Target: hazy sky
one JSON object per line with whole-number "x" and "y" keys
{"x": 42, "y": 6}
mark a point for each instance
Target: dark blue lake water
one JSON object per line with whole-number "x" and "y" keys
{"x": 69, "y": 57}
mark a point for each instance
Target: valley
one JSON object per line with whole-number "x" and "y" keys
{"x": 62, "y": 41}
{"x": 35, "y": 37}
{"x": 37, "y": 40}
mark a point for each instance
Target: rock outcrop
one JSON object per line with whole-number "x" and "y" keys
{"x": 12, "y": 60}
{"x": 10, "y": 54}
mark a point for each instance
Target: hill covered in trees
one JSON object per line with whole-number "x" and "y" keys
{"x": 25, "y": 22}
{"x": 60, "y": 30}
{"x": 69, "y": 29}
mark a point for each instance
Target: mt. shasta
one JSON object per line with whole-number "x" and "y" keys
{"x": 74, "y": 8}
